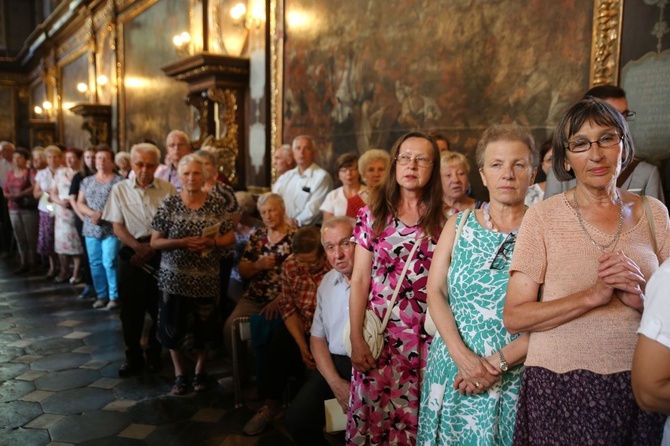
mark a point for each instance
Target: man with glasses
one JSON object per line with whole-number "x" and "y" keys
{"x": 288, "y": 348}
{"x": 177, "y": 145}
{"x": 639, "y": 177}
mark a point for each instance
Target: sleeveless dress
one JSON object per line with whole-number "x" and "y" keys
{"x": 476, "y": 297}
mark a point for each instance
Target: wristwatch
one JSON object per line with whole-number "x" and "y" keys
{"x": 503, "y": 362}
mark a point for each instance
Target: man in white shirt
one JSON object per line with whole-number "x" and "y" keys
{"x": 305, "y": 418}
{"x": 130, "y": 208}
{"x": 305, "y": 187}
{"x": 283, "y": 160}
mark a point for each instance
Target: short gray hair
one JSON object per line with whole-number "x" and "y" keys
{"x": 507, "y": 132}
{"x": 179, "y": 133}
{"x": 306, "y": 138}
{"x": 145, "y": 147}
{"x": 192, "y": 158}
{"x": 333, "y": 222}
{"x": 122, "y": 155}
{"x": 269, "y": 196}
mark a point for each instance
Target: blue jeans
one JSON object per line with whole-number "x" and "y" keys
{"x": 104, "y": 263}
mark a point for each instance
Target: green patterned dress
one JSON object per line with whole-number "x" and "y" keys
{"x": 476, "y": 296}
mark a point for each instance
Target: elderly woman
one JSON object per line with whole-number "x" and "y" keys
{"x": 454, "y": 170}
{"x": 38, "y": 160}
{"x": 261, "y": 263}
{"x": 587, "y": 254}
{"x": 405, "y": 210}
{"x": 372, "y": 166}
{"x": 473, "y": 376}
{"x": 535, "y": 192}
{"x": 102, "y": 245}
{"x": 44, "y": 182}
{"x": 22, "y": 208}
{"x": 66, "y": 240}
{"x": 345, "y": 200}
{"x": 123, "y": 164}
{"x": 190, "y": 227}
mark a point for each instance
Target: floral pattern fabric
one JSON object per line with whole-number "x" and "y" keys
{"x": 476, "y": 296}
{"x": 183, "y": 272}
{"x": 266, "y": 285}
{"x": 384, "y": 402}
{"x": 67, "y": 239}
{"x": 96, "y": 195}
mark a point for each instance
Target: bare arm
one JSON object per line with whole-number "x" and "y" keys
{"x": 361, "y": 357}
{"x": 160, "y": 243}
{"x": 326, "y": 366}
{"x": 37, "y": 190}
{"x": 650, "y": 375}
{"x": 87, "y": 211}
{"x": 295, "y": 326}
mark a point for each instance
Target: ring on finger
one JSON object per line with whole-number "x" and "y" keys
{"x": 477, "y": 385}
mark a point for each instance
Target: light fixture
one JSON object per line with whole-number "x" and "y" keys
{"x": 44, "y": 110}
{"x": 102, "y": 80}
{"x": 181, "y": 42}
{"x": 82, "y": 87}
{"x": 249, "y": 17}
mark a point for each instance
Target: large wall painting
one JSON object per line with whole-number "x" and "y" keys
{"x": 72, "y": 74}
{"x": 645, "y": 74}
{"x": 359, "y": 74}
{"x": 153, "y": 103}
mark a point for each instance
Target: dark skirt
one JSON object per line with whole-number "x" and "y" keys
{"x": 187, "y": 322}
{"x": 45, "y": 239}
{"x": 582, "y": 408}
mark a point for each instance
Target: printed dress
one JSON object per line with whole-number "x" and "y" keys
{"x": 67, "y": 240}
{"x": 384, "y": 402}
{"x": 476, "y": 297}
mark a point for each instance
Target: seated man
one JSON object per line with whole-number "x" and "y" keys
{"x": 639, "y": 177}
{"x": 288, "y": 350}
{"x": 305, "y": 418}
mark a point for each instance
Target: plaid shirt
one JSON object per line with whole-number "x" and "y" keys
{"x": 298, "y": 290}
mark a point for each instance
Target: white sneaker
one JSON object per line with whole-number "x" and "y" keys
{"x": 113, "y": 305}
{"x": 260, "y": 421}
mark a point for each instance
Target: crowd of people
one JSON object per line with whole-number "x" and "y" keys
{"x": 536, "y": 296}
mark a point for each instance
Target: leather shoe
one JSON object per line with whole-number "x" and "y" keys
{"x": 130, "y": 369}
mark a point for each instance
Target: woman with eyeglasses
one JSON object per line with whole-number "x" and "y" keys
{"x": 345, "y": 200}
{"x": 473, "y": 376}
{"x": 577, "y": 284}
{"x": 405, "y": 210}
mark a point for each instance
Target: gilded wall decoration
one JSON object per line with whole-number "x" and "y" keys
{"x": 7, "y": 130}
{"x": 356, "y": 75}
{"x": 72, "y": 133}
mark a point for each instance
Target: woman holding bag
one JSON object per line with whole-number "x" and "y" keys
{"x": 473, "y": 375}
{"x": 405, "y": 210}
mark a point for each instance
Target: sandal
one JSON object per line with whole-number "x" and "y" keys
{"x": 180, "y": 385}
{"x": 199, "y": 382}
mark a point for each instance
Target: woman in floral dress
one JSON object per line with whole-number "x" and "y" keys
{"x": 406, "y": 209}
{"x": 473, "y": 376}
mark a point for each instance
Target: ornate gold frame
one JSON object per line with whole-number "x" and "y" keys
{"x": 605, "y": 55}
{"x": 606, "y": 42}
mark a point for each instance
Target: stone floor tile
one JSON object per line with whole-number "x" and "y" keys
{"x": 67, "y": 379}
{"x": 137, "y": 431}
{"x": 208, "y": 415}
{"x": 13, "y": 390}
{"x": 69, "y": 323}
{"x": 11, "y": 370}
{"x": 76, "y": 401}
{"x": 27, "y": 359}
{"x": 44, "y": 421}
{"x": 17, "y": 413}
{"x": 30, "y": 376}
{"x": 77, "y": 335}
{"x": 94, "y": 364}
{"x": 12, "y": 320}
{"x": 23, "y": 437}
{"x": 89, "y": 426}
{"x": 16, "y": 330}
{"x": 21, "y": 343}
{"x": 53, "y": 346}
{"x": 58, "y": 443}
{"x": 119, "y": 405}
{"x": 105, "y": 383}
{"x": 64, "y": 313}
{"x": 85, "y": 349}
{"x": 60, "y": 361}
{"x": 37, "y": 395}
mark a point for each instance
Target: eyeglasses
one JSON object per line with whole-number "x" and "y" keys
{"x": 348, "y": 169}
{"x": 344, "y": 244}
{"x": 606, "y": 141}
{"x": 421, "y": 161}
{"x": 504, "y": 252}
{"x": 629, "y": 115}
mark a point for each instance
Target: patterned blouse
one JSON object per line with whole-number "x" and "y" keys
{"x": 183, "y": 272}
{"x": 96, "y": 194}
{"x": 266, "y": 285}
{"x": 231, "y": 206}
{"x": 298, "y": 293}
{"x": 14, "y": 185}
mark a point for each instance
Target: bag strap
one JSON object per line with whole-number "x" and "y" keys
{"x": 387, "y": 316}
{"x": 650, "y": 220}
{"x": 466, "y": 214}
{"x": 623, "y": 176}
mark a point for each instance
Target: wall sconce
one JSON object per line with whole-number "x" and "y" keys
{"x": 249, "y": 17}
{"x": 181, "y": 42}
{"x": 45, "y": 110}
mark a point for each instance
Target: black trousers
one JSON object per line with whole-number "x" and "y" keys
{"x": 139, "y": 295}
{"x": 283, "y": 360}
{"x": 305, "y": 417}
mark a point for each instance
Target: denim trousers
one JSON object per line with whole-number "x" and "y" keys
{"x": 104, "y": 264}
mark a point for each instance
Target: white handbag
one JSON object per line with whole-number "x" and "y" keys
{"x": 429, "y": 324}
{"x": 373, "y": 328}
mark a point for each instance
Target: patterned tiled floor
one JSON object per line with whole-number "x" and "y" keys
{"x": 59, "y": 382}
